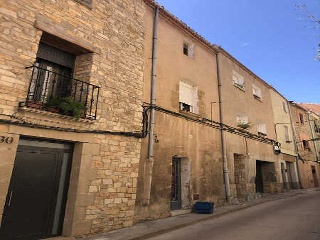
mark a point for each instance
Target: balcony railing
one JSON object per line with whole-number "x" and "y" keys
{"x": 53, "y": 92}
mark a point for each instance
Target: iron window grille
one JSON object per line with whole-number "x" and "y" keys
{"x": 54, "y": 92}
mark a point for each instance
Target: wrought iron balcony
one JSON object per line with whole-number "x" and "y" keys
{"x": 53, "y": 92}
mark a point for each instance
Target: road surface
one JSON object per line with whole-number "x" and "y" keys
{"x": 294, "y": 218}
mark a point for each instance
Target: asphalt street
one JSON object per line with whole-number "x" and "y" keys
{"x": 294, "y": 218}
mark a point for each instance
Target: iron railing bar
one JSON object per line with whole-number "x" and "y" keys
{"x": 63, "y": 75}
{"x": 45, "y": 82}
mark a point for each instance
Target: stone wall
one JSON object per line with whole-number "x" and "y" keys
{"x": 104, "y": 174}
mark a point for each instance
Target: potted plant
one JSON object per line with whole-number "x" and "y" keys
{"x": 243, "y": 125}
{"x": 53, "y": 104}
{"x": 71, "y": 107}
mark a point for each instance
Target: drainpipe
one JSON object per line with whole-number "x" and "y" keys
{"x": 295, "y": 143}
{"x": 223, "y": 144}
{"x": 150, "y": 159}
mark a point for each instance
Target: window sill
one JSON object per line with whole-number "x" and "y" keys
{"x": 189, "y": 114}
{"x": 262, "y": 134}
{"x": 257, "y": 98}
{"x": 241, "y": 87}
{"x": 54, "y": 114}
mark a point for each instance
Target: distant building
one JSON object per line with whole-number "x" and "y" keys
{"x": 305, "y": 124}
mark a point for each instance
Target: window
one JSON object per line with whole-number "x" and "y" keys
{"x": 316, "y": 127}
{"x": 53, "y": 75}
{"x": 262, "y": 129}
{"x": 242, "y": 121}
{"x": 256, "y": 92}
{"x": 53, "y": 87}
{"x": 188, "y": 49}
{"x": 284, "y": 106}
{"x": 286, "y": 134}
{"x": 188, "y": 97}
{"x": 306, "y": 145}
{"x": 301, "y": 119}
{"x": 238, "y": 80}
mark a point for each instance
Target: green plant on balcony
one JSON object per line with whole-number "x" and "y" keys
{"x": 65, "y": 105}
{"x": 243, "y": 125}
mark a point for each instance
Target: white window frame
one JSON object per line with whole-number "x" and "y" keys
{"x": 188, "y": 95}
{"x": 256, "y": 91}
{"x": 262, "y": 129}
{"x": 238, "y": 80}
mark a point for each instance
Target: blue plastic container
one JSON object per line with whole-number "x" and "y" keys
{"x": 204, "y": 207}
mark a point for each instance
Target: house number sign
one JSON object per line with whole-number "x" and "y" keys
{"x": 4, "y": 139}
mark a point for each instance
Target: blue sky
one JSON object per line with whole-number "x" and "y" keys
{"x": 273, "y": 38}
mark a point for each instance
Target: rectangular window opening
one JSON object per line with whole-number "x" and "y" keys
{"x": 284, "y": 107}
{"x": 262, "y": 130}
{"x": 238, "y": 80}
{"x": 286, "y": 134}
{"x": 306, "y": 145}
{"x": 301, "y": 118}
{"x": 256, "y": 92}
{"x": 188, "y": 98}
{"x": 186, "y": 49}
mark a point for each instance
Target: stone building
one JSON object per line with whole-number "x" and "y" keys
{"x": 70, "y": 116}
{"x": 284, "y": 134}
{"x": 305, "y": 126}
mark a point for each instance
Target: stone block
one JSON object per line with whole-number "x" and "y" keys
{"x": 81, "y": 228}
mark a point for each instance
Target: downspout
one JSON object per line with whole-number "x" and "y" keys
{"x": 295, "y": 142}
{"x": 223, "y": 144}
{"x": 150, "y": 158}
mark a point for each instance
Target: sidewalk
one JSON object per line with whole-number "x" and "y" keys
{"x": 148, "y": 229}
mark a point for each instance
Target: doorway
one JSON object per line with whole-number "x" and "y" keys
{"x": 36, "y": 198}
{"x": 315, "y": 177}
{"x": 259, "y": 177}
{"x": 180, "y": 183}
{"x": 175, "y": 201}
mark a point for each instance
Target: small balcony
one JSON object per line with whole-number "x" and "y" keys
{"x": 53, "y": 92}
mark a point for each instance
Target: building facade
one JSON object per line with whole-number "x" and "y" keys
{"x": 246, "y": 104}
{"x": 212, "y": 132}
{"x": 304, "y": 124}
{"x": 181, "y": 158}
{"x": 70, "y": 116}
{"x": 284, "y": 134}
